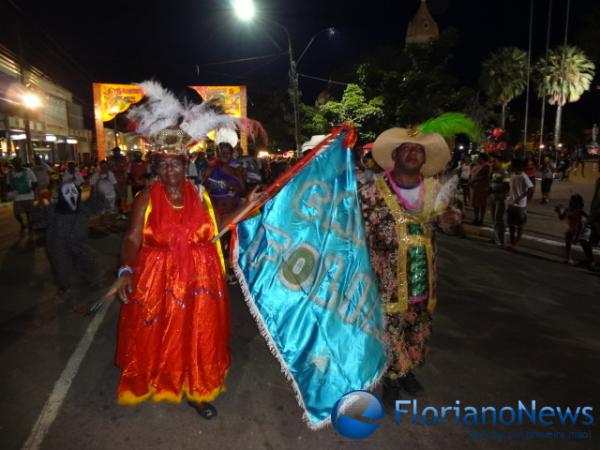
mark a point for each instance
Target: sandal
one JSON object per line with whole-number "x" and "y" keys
{"x": 205, "y": 409}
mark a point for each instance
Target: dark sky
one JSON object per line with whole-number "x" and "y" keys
{"x": 176, "y": 41}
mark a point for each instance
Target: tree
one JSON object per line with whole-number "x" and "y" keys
{"x": 354, "y": 108}
{"x": 416, "y": 82}
{"x": 504, "y": 77}
{"x": 565, "y": 75}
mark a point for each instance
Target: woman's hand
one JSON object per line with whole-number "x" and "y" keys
{"x": 121, "y": 287}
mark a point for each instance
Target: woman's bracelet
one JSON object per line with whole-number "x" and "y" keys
{"x": 124, "y": 269}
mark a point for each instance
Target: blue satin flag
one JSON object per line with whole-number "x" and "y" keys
{"x": 304, "y": 268}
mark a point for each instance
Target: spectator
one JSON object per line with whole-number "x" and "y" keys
{"x": 530, "y": 172}
{"x": 520, "y": 188}
{"x": 464, "y": 173}
{"x": 575, "y": 216}
{"x": 547, "y": 179}
{"x": 499, "y": 189}
{"x": 479, "y": 182}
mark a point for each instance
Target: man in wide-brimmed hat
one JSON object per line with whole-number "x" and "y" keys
{"x": 398, "y": 208}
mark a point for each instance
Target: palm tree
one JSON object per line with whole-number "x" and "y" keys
{"x": 504, "y": 76}
{"x": 565, "y": 75}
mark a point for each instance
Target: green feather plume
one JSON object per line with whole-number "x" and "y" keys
{"x": 450, "y": 124}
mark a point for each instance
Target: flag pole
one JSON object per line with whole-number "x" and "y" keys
{"x": 281, "y": 181}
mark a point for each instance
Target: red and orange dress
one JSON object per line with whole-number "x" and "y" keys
{"x": 174, "y": 331}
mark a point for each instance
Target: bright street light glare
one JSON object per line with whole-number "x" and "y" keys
{"x": 31, "y": 101}
{"x": 244, "y": 9}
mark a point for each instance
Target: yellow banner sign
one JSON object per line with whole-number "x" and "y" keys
{"x": 117, "y": 98}
{"x": 233, "y": 98}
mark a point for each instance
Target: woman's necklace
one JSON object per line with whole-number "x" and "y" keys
{"x": 171, "y": 203}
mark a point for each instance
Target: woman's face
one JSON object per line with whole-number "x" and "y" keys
{"x": 171, "y": 169}
{"x": 225, "y": 153}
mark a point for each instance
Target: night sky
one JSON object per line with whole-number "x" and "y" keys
{"x": 177, "y": 42}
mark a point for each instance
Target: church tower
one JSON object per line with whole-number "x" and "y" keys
{"x": 422, "y": 28}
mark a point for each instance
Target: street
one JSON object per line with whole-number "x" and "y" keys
{"x": 508, "y": 327}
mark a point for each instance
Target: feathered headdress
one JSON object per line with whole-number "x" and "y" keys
{"x": 450, "y": 124}
{"x": 171, "y": 125}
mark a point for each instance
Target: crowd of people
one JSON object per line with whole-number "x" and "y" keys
{"x": 505, "y": 188}
{"x": 173, "y": 273}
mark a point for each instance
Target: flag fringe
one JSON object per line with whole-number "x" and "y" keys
{"x": 264, "y": 331}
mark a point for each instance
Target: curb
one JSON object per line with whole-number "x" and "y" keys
{"x": 549, "y": 246}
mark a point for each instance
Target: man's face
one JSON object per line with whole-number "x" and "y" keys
{"x": 71, "y": 167}
{"x": 103, "y": 167}
{"x": 409, "y": 157}
{"x": 495, "y": 163}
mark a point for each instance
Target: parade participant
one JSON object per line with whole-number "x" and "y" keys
{"x": 67, "y": 240}
{"x": 139, "y": 171}
{"x": 225, "y": 186}
{"x": 398, "y": 209}
{"x": 42, "y": 172}
{"x": 119, "y": 166}
{"x": 72, "y": 175}
{"x": 103, "y": 192}
{"x": 23, "y": 181}
{"x": 174, "y": 323}
{"x": 225, "y": 183}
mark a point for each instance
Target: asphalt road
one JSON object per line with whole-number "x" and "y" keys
{"x": 508, "y": 327}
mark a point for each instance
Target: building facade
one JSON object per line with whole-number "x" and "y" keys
{"x": 56, "y": 127}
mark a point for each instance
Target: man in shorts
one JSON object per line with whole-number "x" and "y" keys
{"x": 516, "y": 214}
{"x": 23, "y": 182}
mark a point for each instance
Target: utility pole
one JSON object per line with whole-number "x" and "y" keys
{"x": 24, "y": 109}
{"x": 528, "y": 76}
{"x": 543, "y": 115}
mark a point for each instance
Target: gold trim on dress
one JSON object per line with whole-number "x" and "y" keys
{"x": 403, "y": 219}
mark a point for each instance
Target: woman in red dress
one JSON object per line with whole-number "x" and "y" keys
{"x": 174, "y": 324}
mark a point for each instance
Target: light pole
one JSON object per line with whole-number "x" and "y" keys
{"x": 245, "y": 10}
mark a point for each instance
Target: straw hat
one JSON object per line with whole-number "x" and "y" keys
{"x": 437, "y": 152}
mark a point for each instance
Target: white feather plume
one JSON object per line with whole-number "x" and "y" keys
{"x": 199, "y": 120}
{"x": 226, "y": 135}
{"x": 162, "y": 110}
{"x": 446, "y": 194}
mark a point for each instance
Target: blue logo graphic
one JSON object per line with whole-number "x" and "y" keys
{"x": 357, "y": 414}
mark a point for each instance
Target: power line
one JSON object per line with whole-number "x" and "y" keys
{"x": 341, "y": 83}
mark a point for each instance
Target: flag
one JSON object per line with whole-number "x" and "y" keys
{"x": 304, "y": 269}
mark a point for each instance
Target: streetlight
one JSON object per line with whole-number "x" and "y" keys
{"x": 30, "y": 102}
{"x": 245, "y": 10}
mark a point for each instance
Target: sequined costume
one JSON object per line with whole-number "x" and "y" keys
{"x": 402, "y": 255}
{"x": 174, "y": 331}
